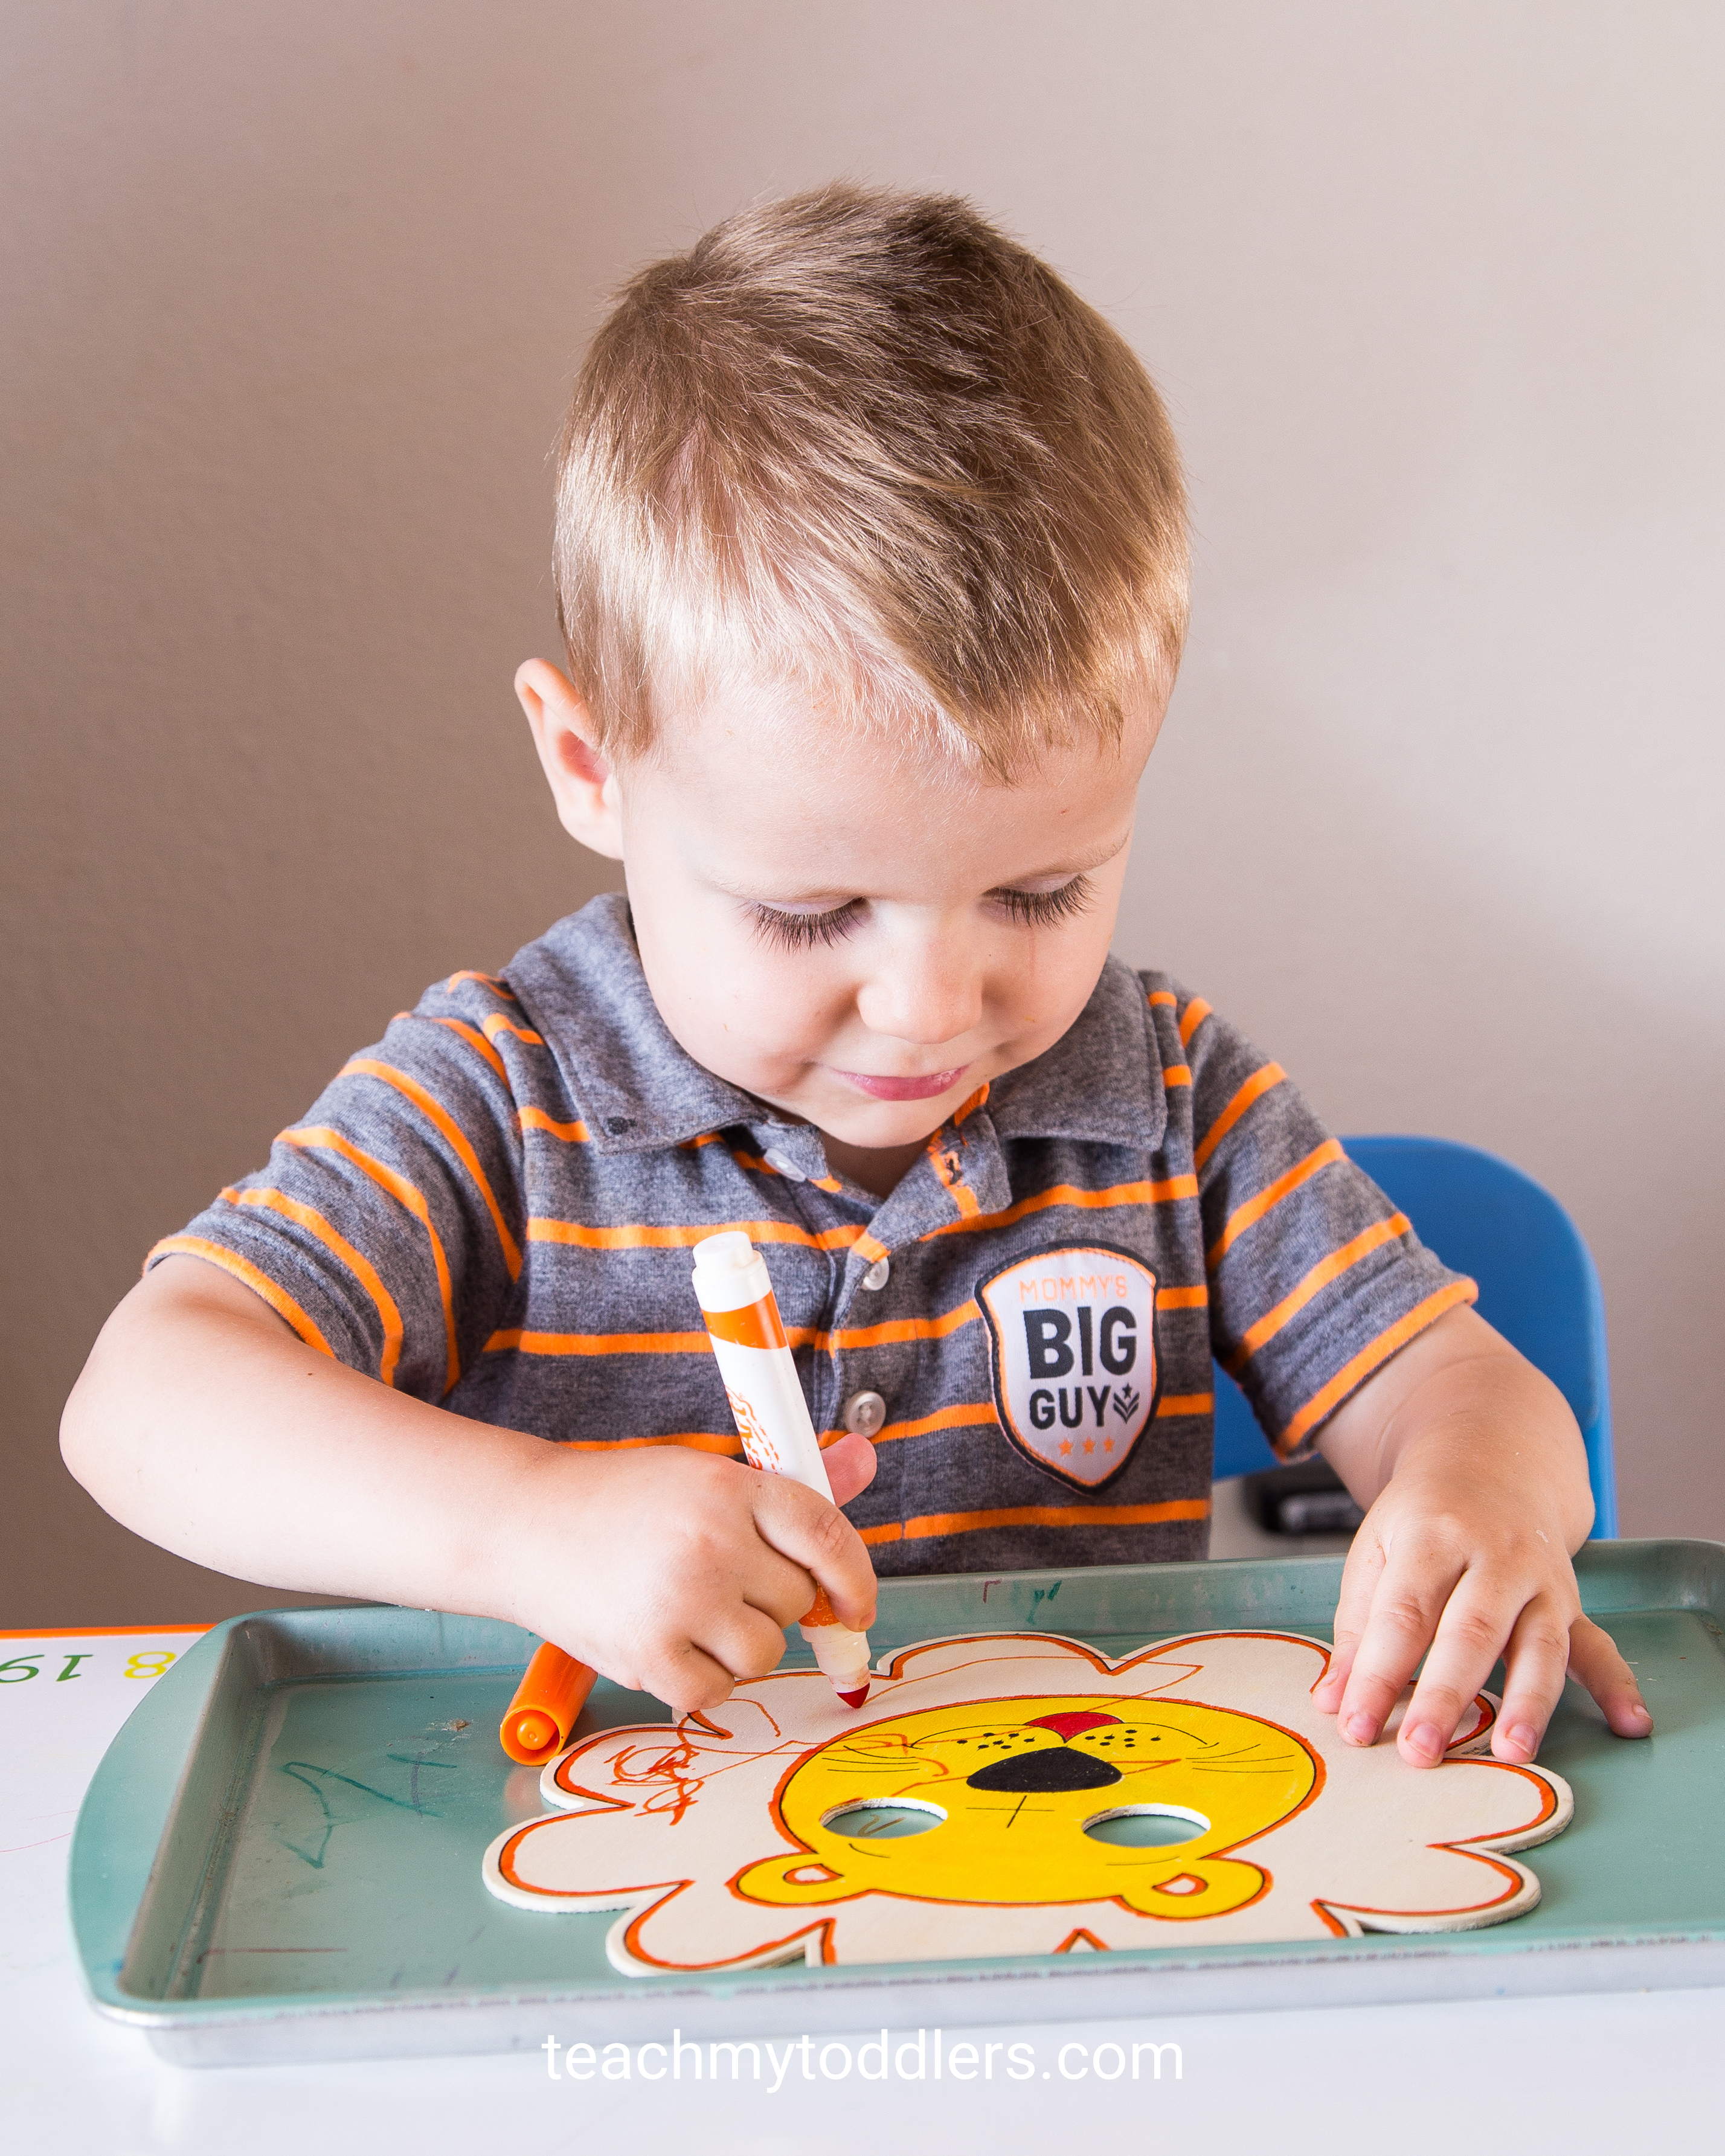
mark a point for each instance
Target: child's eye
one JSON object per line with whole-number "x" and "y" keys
{"x": 804, "y": 932}
{"x": 1041, "y": 909}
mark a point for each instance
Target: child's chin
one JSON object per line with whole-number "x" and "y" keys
{"x": 881, "y": 1125}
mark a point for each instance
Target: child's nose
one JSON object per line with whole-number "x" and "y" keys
{"x": 926, "y": 991}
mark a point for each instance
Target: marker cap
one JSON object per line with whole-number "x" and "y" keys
{"x": 729, "y": 1273}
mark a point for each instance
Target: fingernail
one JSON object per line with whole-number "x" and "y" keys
{"x": 1359, "y": 1729}
{"x": 1425, "y": 1739}
{"x": 1639, "y": 1715}
{"x": 1525, "y": 1739}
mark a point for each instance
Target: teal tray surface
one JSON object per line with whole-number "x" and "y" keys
{"x": 280, "y": 1855}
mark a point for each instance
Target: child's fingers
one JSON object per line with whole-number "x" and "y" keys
{"x": 1595, "y": 1662}
{"x": 1360, "y": 1575}
{"x": 776, "y": 1584}
{"x": 816, "y": 1535}
{"x": 1482, "y": 1619}
{"x": 1408, "y": 1599}
{"x": 1535, "y": 1656}
{"x": 744, "y": 1640}
{"x": 850, "y": 1465}
{"x": 684, "y": 1678}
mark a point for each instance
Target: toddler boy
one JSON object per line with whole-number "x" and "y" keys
{"x": 871, "y": 564}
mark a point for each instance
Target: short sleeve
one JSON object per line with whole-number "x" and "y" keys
{"x": 1315, "y": 1279}
{"x": 387, "y": 1227}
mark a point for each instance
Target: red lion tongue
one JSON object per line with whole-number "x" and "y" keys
{"x": 1066, "y": 1726}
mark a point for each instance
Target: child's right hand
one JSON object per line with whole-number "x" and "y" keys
{"x": 675, "y": 1573}
{"x": 204, "y": 1422}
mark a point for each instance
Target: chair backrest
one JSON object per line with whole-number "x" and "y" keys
{"x": 1538, "y": 1287}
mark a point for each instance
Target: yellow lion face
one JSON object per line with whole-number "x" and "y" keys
{"x": 1036, "y": 1800}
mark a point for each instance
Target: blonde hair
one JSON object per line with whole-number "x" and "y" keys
{"x": 859, "y": 444}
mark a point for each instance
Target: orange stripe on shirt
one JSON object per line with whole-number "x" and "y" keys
{"x": 476, "y": 1040}
{"x": 1369, "y": 1359}
{"x": 1177, "y": 1074}
{"x": 972, "y": 1105}
{"x": 1039, "y": 1516}
{"x": 756, "y": 1166}
{"x": 493, "y": 982}
{"x": 1186, "y": 1404}
{"x": 605, "y": 1344}
{"x": 1175, "y": 1188}
{"x": 496, "y": 1024}
{"x": 260, "y": 1283}
{"x": 727, "y": 1442}
{"x": 1182, "y": 1298}
{"x": 1197, "y": 1011}
{"x": 1315, "y": 1282}
{"x": 697, "y": 1440}
{"x": 439, "y": 1116}
{"x": 360, "y": 1266}
{"x": 1162, "y": 996}
{"x": 318, "y": 1137}
{"x": 692, "y": 1344}
{"x": 948, "y": 1167}
{"x": 899, "y": 1329}
{"x": 576, "y": 1133}
{"x": 1249, "y": 1215}
{"x": 965, "y": 1415}
{"x": 643, "y": 1238}
{"x": 1255, "y": 1088}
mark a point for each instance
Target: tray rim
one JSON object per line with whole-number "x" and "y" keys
{"x": 117, "y": 1855}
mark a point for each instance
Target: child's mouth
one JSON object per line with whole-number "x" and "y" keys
{"x": 905, "y": 1089}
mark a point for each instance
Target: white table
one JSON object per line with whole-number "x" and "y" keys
{"x": 1611, "y": 2072}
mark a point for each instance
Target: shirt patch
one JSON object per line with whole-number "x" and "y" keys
{"x": 1073, "y": 1333}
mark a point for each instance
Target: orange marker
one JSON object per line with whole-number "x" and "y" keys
{"x": 761, "y": 1382}
{"x": 546, "y": 1701}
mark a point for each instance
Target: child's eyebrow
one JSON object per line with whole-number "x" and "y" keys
{"x": 746, "y": 894}
{"x": 1081, "y": 865}
{"x": 822, "y": 900}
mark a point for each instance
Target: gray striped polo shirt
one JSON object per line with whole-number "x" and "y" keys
{"x": 493, "y": 1208}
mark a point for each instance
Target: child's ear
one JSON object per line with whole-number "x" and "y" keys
{"x": 583, "y": 784}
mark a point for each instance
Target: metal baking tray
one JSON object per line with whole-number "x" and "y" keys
{"x": 279, "y": 1857}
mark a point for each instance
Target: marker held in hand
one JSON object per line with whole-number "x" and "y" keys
{"x": 748, "y": 1337}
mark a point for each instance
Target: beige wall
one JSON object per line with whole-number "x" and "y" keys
{"x": 291, "y": 296}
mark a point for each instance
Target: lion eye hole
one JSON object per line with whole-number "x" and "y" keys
{"x": 1146, "y": 1827}
{"x": 883, "y": 1822}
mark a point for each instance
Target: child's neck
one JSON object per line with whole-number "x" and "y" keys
{"x": 877, "y": 1169}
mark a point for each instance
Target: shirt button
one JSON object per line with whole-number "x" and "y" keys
{"x": 863, "y": 1413}
{"x": 786, "y": 1166}
{"x": 878, "y": 1274}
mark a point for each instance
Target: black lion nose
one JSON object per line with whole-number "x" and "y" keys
{"x": 1055, "y": 1768}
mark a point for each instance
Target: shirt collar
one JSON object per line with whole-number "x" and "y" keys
{"x": 639, "y": 1090}
{"x": 1102, "y": 1080}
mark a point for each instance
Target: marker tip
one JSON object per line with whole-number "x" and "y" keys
{"x": 854, "y": 1698}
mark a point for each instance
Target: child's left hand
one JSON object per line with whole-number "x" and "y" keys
{"x": 1476, "y": 1479}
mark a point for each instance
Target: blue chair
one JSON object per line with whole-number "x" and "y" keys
{"x": 1538, "y": 1287}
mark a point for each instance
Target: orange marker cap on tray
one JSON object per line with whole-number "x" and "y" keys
{"x": 546, "y": 1701}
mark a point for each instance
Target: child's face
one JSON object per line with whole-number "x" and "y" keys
{"x": 860, "y": 941}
